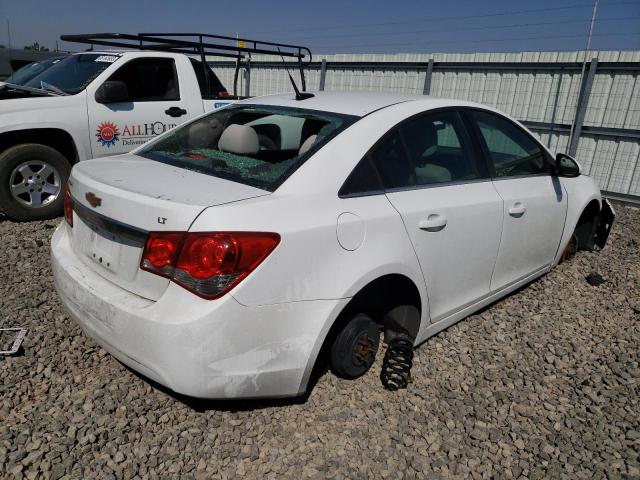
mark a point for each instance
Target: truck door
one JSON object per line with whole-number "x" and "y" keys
{"x": 154, "y": 104}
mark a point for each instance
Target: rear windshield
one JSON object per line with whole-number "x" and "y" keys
{"x": 258, "y": 146}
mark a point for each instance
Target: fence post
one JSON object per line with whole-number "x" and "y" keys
{"x": 323, "y": 73}
{"x": 427, "y": 78}
{"x": 581, "y": 108}
{"x": 552, "y": 129}
{"x": 247, "y": 78}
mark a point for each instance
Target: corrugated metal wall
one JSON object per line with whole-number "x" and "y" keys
{"x": 534, "y": 96}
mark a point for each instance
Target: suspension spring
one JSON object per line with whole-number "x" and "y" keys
{"x": 397, "y": 363}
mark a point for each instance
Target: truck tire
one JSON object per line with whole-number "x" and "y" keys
{"x": 32, "y": 179}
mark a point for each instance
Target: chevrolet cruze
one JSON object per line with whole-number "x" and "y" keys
{"x": 224, "y": 257}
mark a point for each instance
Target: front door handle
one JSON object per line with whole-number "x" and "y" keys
{"x": 433, "y": 223}
{"x": 517, "y": 210}
{"x": 175, "y": 111}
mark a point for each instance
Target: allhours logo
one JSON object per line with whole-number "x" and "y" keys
{"x": 131, "y": 135}
{"x": 108, "y": 134}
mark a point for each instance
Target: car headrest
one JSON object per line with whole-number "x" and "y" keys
{"x": 422, "y": 139}
{"x": 307, "y": 144}
{"x": 431, "y": 173}
{"x": 239, "y": 139}
{"x": 205, "y": 134}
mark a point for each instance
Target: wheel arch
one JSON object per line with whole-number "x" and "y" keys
{"x": 392, "y": 299}
{"x": 586, "y": 224}
{"x": 582, "y": 193}
{"x": 55, "y": 138}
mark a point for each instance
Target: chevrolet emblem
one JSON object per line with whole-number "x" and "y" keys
{"x": 93, "y": 200}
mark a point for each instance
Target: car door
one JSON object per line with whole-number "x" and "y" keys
{"x": 534, "y": 202}
{"x": 440, "y": 185}
{"x": 154, "y": 105}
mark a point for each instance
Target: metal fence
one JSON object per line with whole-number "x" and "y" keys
{"x": 546, "y": 91}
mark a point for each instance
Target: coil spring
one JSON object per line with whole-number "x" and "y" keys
{"x": 397, "y": 363}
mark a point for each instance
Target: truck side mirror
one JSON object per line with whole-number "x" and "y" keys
{"x": 566, "y": 166}
{"x": 112, "y": 91}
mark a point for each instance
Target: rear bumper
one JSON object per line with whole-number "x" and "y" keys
{"x": 196, "y": 347}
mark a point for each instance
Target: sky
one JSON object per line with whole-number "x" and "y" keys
{"x": 341, "y": 26}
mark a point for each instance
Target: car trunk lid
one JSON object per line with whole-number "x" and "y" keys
{"x": 118, "y": 200}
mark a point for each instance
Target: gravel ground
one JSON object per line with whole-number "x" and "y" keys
{"x": 543, "y": 384}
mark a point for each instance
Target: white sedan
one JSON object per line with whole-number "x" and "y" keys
{"x": 226, "y": 257}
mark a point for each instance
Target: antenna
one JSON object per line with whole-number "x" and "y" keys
{"x": 299, "y": 95}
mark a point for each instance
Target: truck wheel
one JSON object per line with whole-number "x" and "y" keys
{"x": 355, "y": 347}
{"x": 32, "y": 179}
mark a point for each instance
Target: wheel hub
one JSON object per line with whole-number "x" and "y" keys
{"x": 35, "y": 183}
{"x": 363, "y": 349}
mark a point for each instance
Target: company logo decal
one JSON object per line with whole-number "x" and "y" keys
{"x": 108, "y": 134}
{"x": 131, "y": 135}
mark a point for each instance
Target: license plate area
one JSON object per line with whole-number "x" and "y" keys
{"x": 110, "y": 247}
{"x": 106, "y": 252}
{"x": 104, "y": 248}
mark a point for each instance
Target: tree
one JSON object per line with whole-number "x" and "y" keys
{"x": 37, "y": 47}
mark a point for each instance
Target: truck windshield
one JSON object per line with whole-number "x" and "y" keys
{"x": 72, "y": 74}
{"x": 255, "y": 145}
{"x": 26, "y": 73}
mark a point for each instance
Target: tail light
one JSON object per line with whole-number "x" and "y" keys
{"x": 207, "y": 264}
{"x": 68, "y": 205}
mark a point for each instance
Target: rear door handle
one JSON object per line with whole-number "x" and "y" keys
{"x": 433, "y": 223}
{"x": 175, "y": 111}
{"x": 517, "y": 210}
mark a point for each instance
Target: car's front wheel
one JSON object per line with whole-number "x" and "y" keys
{"x": 354, "y": 348}
{"x": 32, "y": 179}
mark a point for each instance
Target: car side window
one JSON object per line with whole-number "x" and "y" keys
{"x": 363, "y": 179}
{"x": 210, "y": 86}
{"x": 438, "y": 152}
{"x": 512, "y": 151}
{"x": 149, "y": 79}
{"x": 390, "y": 160}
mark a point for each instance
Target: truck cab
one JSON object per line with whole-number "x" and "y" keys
{"x": 97, "y": 103}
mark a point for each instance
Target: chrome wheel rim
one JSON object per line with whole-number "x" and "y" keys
{"x": 35, "y": 184}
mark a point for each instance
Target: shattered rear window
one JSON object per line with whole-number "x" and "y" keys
{"x": 260, "y": 146}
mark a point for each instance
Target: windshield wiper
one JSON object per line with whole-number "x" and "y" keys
{"x": 22, "y": 88}
{"x": 51, "y": 88}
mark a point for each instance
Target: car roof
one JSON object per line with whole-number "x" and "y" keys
{"x": 355, "y": 103}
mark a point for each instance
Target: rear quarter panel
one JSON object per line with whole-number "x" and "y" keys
{"x": 310, "y": 263}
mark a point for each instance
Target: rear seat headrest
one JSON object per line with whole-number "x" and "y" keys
{"x": 307, "y": 144}
{"x": 205, "y": 134}
{"x": 239, "y": 139}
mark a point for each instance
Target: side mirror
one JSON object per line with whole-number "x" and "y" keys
{"x": 112, "y": 91}
{"x": 566, "y": 166}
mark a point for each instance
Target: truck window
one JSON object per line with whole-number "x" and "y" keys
{"x": 212, "y": 88}
{"x": 149, "y": 79}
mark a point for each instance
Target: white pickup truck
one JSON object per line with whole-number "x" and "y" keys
{"x": 99, "y": 103}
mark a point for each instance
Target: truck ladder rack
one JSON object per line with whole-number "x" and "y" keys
{"x": 197, "y": 44}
